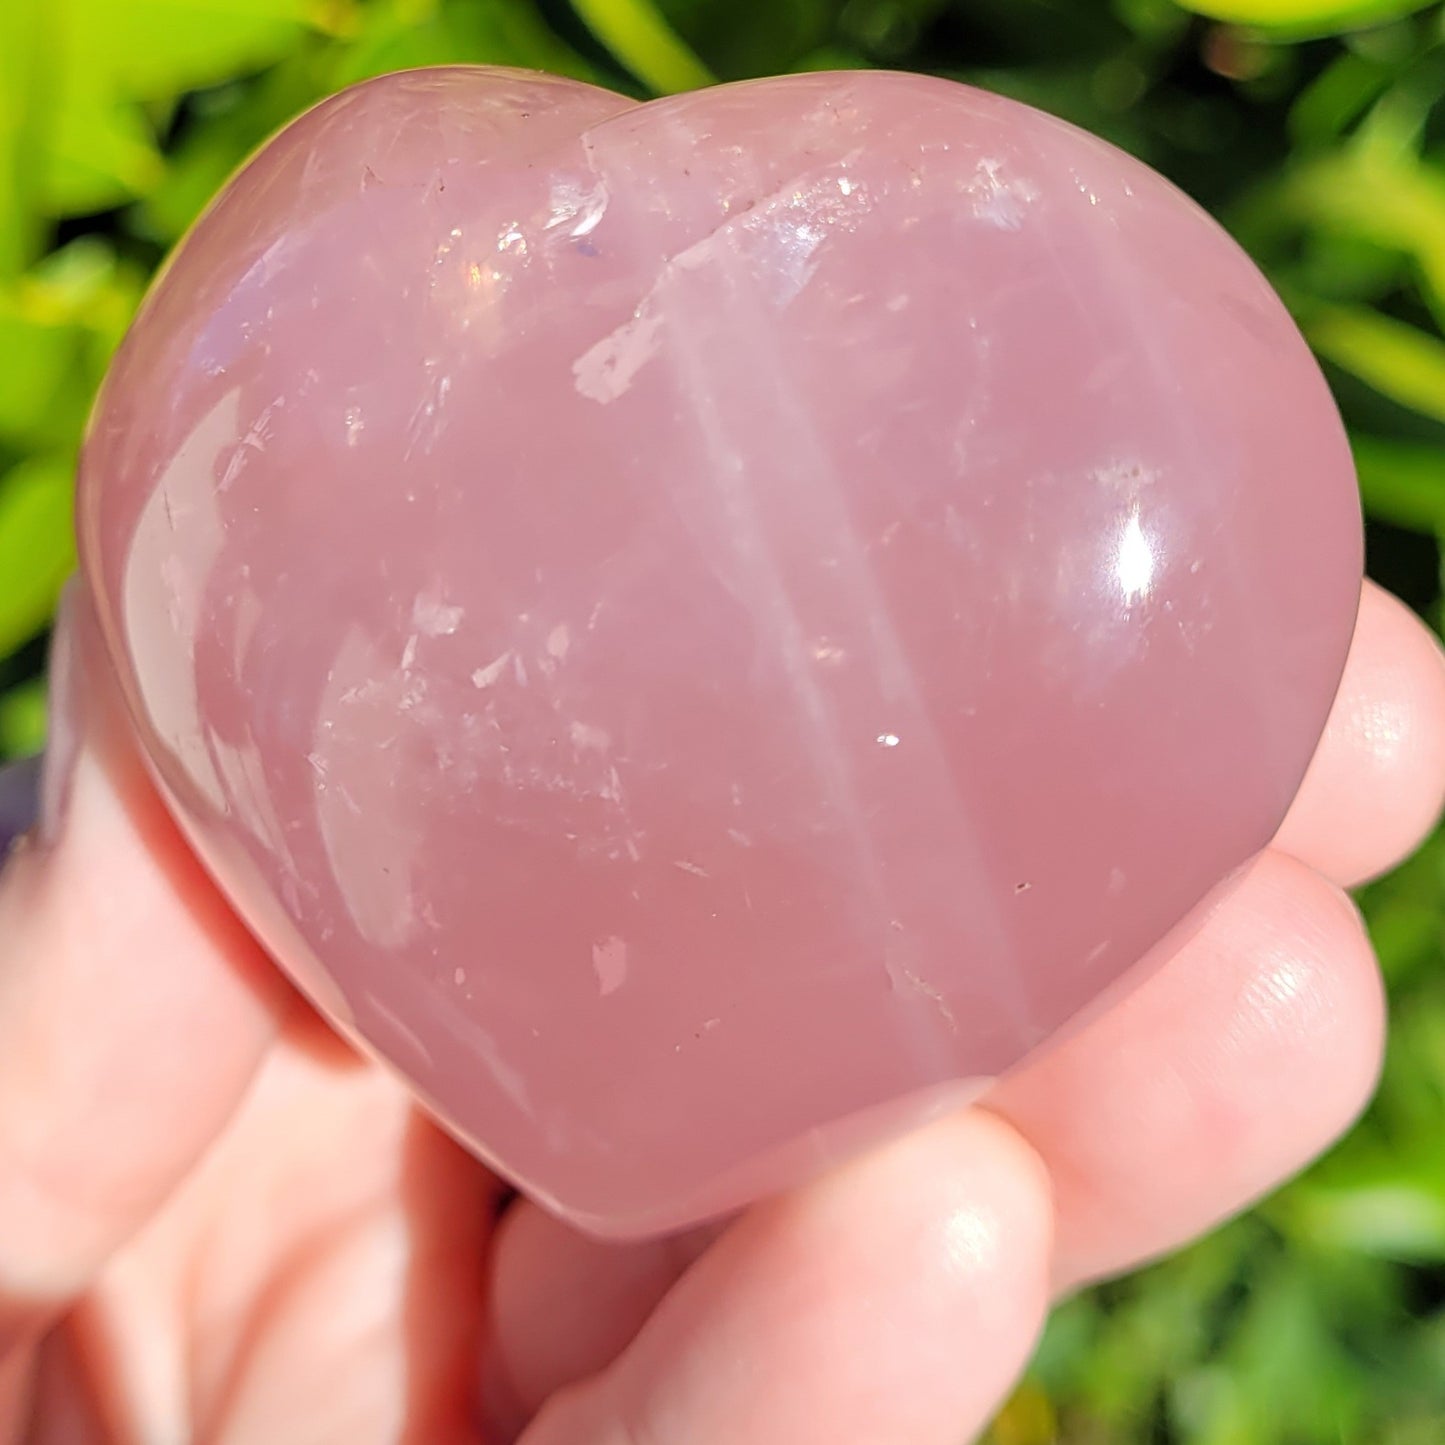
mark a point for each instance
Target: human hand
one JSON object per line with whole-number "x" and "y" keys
{"x": 218, "y": 1224}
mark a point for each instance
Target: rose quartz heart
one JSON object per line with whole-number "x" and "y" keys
{"x": 702, "y": 632}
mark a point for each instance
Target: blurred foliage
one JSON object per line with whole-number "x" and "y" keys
{"x": 1320, "y": 1317}
{"x": 1299, "y": 18}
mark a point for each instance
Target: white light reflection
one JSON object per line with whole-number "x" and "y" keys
{"x": 1134, "y": 561}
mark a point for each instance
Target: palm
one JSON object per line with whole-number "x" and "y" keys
{"x": 317, "y": 1277}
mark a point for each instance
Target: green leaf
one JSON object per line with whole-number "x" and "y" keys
{"x": 157, "y": 48}
{"x": 1157, "y": 1324}
{"x": 58, "y": 326}
{"x": 1036, "y": 32}
{"x": 1343, "y": 268}
{"x": 1400, "y": 361}
{"x": 1287, "y": 1361}
{"x": 23, "y": 719}
{"x": 1393, "y": 201}
{"x": 36, "y": 357}
{"x": 1304, "y": 18}
{"x": 1336, "y": 98}
{"x": 1402, "y": 483}
{"x": 23, "y": 80}
{"x": 81, "y": 67}
{"x": 1153, "y": 20}
{"x": 1066, "y": 1351}
{"x": 831, "y": 57}
{"x": 1387, "y": 1211}
{"x": 101, "y": 154}
{"x": 409, "y": 33}
{"x": 642, "y": 40}
{"x": 37, "y": 550}
{"x": 1396, "y": 123}
{"x": 890, "y": 28}
{"x": 777, "y": 36}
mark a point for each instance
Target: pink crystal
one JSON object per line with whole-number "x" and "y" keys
{"x": 703, "y": 631}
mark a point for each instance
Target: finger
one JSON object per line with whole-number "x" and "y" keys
{"x": 563, "y": 1305}
{"x": 133, "y": 1008}
{"x": 331, "y": 1234}
{"x": 895, "y": 1301}
{"x": 1377, "y": 782}
{"x": 1249, "y": 1052}
{"x": 1383, "y": 731}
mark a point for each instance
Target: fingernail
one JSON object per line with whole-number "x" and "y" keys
{"x": 64, "y": 723}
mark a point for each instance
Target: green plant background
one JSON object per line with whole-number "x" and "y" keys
{"x": 1319, "y": 1317}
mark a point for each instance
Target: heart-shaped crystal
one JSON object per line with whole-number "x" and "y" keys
{"x": 703, "y": 631}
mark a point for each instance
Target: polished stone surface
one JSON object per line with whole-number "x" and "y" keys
{"x": 703, "y": 631}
